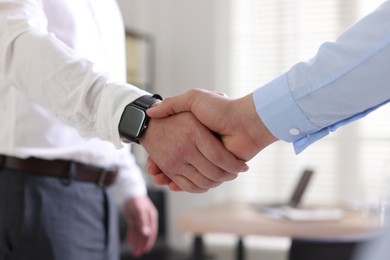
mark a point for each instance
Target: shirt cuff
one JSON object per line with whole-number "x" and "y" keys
{"x": 281, "y": 114}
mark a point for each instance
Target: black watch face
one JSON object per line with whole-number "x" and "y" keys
{"x": 132, "y": 122}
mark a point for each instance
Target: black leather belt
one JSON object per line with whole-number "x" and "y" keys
{"x": 67, "y": 170}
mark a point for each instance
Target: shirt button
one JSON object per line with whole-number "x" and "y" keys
{"x": 294, "y": 131}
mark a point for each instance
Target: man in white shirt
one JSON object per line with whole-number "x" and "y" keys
{"x": 29, "y": 130}
{"x": 62, "y": 97}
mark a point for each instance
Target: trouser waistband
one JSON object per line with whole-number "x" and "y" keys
{"x": 64, "y": 169}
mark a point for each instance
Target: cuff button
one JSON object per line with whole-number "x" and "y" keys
{"x": 294, "y": 131}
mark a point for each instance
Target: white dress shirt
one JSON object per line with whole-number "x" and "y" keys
{"x": 346, "y": 80}
{"x": 59, "y": 61}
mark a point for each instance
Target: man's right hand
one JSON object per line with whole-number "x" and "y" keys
{"x": 235, "y": 121}
{"x": 189, "y": 154}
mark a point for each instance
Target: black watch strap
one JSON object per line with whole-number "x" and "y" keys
{"x": 128, "y": 128}
{"x": 146, "y": 101}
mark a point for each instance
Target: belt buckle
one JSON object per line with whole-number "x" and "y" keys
{"x": 102, "y": 178}
{"x": 71, "y": 174}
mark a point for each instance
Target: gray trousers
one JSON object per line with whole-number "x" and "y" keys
{"x": 45, "y": 218}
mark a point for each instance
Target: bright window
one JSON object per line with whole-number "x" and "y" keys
{"x": 267, "y": 38}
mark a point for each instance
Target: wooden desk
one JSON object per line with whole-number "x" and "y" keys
{"x": 243, "y": 219}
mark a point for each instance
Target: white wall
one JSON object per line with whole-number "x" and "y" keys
{"x": 188, "y": 46}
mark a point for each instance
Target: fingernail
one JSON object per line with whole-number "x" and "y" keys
{"x": 246, "y": 168}
{"x": 146, "y": 230}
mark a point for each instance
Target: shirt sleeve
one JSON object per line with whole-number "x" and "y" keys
{"x": 346, "y": 80}
{"x": 130, "y": 182}
{"x": 45, "y": 69}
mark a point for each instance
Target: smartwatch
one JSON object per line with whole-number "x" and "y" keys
{"x": 134, "y": 119}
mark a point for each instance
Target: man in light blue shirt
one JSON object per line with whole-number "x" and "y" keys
{"x": 347, "y": 79}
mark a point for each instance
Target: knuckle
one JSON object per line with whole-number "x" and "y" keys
{"x": 217, "y": 158}
{"x": 221, "y": 176}
{"x": 195, "y": 91}
{"x": 191, "y": 133}
{"x": 167, "y": 100}
{"x": 181, "y": 150}
{"x": 206, "y": 183}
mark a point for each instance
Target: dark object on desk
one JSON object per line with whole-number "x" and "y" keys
{"x": 161, "y": 249}
{"x": 302, "y": 249}
{"x": 296, "y": 196}
{"x": 300, "y": 188}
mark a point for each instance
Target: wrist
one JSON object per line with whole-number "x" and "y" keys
{"x": 134, "y": 120}
{"x": 252, "y": 123}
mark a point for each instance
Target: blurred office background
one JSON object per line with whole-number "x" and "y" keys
{"x": 235, "y": 46}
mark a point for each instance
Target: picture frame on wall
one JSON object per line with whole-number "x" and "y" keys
{"x": 140, "y": 60}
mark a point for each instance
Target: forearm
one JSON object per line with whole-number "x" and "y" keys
{"x": 49, "y": 72}
{"x": 345, "y": 80}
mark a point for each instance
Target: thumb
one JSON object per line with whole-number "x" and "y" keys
{"x": 160, "y": 109}
{"x": 173, "y": 105}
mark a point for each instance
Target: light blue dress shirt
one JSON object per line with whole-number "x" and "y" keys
{"x": 346, "y": 80}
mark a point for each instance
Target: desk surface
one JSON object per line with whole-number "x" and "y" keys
{"x": 243, "y": 219}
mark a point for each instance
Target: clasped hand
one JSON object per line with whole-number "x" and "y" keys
{"x": 202, "y": 139}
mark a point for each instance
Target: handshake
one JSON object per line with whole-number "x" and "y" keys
{"x": 200, "y": 139}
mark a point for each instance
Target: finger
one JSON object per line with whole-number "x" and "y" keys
{"x": 144, "y": 231}
{"x": 190, "y": 172}
{"x": 136, "y": 237}
{"x": 161, "y": 179}
{"x": 153, "y": 221}
{"x": 133, "y": 236}
{"x": 183, "y": 160}
{"x": 149, "y": 160}
{"x": 139, "y": 244}
{"x": 202, "y": 174}
{"x": 195, "y": 172}
{"x": 221, "y": 94}
{"x": 152, "y": 168}
{"x": 173, "y": 187}
{"x": 196, "y": 182}
{"x": 218, "y": 164}
{"x": 137, "y": 247}
{"x": 183, "y": 183}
